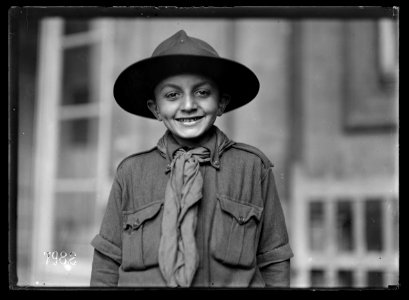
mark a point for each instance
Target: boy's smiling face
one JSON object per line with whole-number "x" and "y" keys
{"x": 188, "y": 105}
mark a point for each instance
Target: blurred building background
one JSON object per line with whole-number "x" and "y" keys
{"x": 326, "y": 116}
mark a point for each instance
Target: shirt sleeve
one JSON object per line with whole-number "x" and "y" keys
{"x": 104, "y": 270}
{"x": 108, "y": 243}
{"x": 277, "y": 274}
{"x": 274, "y": 246}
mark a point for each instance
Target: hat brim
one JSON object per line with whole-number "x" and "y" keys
{"x": 134, "y": 86}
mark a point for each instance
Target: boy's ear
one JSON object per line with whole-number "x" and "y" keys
{"x": 224, "y": 101}
{"x": 154, "y": 109}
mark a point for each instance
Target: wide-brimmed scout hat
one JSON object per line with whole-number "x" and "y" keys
{"x": 177, "y": 55}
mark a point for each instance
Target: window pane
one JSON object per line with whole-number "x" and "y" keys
{"x": 317, "y": 226}
{"x": 387, "y": 53}
{"x": 344, "y": 225}
{"x": 345, "y": 278}
{"x": 75, "y": 26}
{"x": 395, "y": 224}
{"x": 77, "y": 148}
{"x": 373, "y": 225}
{"x": 317, "y": 278}
{"x": 74, "y": 219}
{"x": 76, "y": 75}
{"x": 375, "y": 278}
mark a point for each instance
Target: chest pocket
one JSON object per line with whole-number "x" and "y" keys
{"x": 141, "y": 237}
{"x": 234, "y": 233}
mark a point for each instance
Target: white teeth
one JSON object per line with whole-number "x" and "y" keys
{"x": 189, "y": 120}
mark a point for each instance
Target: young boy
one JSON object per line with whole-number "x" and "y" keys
{"x": 198, "y": 209}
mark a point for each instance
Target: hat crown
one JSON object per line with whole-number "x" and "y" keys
{"x": 182, "y": 44}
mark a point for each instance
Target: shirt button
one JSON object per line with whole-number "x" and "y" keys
{"x": 241, "y": 220}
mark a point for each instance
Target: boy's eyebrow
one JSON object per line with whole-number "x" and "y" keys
{"x": 204, "y": 82}
{"x": 162, "y": 86}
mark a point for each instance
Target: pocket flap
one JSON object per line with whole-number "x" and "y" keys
{"x": 138, "y": 217}
{"x": 240, "y": 211}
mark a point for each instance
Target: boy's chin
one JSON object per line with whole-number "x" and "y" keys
{"x": 193, "y": 132}
{"x": 191, "y": 135}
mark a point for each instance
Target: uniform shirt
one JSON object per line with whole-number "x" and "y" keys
{"x": 241, "y": 235}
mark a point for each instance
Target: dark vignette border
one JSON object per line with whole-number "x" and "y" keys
{"x": 34, "y": 14}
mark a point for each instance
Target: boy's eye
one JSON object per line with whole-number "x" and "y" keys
{"x": 202, "y": 93}
{"x": 171, "y": 95}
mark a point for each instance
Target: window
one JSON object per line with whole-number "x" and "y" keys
{"x": 345, "y": 278}
{"x": 375, "y": 278}
{"x": 77, "y": 64}
{"x": 72, "y": 145}
{"x": 317, "y": 226}
{"x": 387, "y": 54}
{"x": 371, "y": 75}
{"x": 72, "y": 26}
{"x": 317, "y": 278}
{"x": 373, "y": 224}
{"x": 344, "y": 233}
{"x": 77, "y": 148}
{"x": 344, "y": 226}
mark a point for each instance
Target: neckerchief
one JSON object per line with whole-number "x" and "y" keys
{"x": 178, "y": 255}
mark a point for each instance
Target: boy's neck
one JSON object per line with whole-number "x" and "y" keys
{"x": 196, "y": 142}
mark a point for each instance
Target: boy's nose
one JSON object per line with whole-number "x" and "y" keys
{"x": 189, "y": 103}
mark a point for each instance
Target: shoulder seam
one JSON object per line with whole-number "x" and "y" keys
{"x": 251, "y": 149}
{"x": 133, "y": 155}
